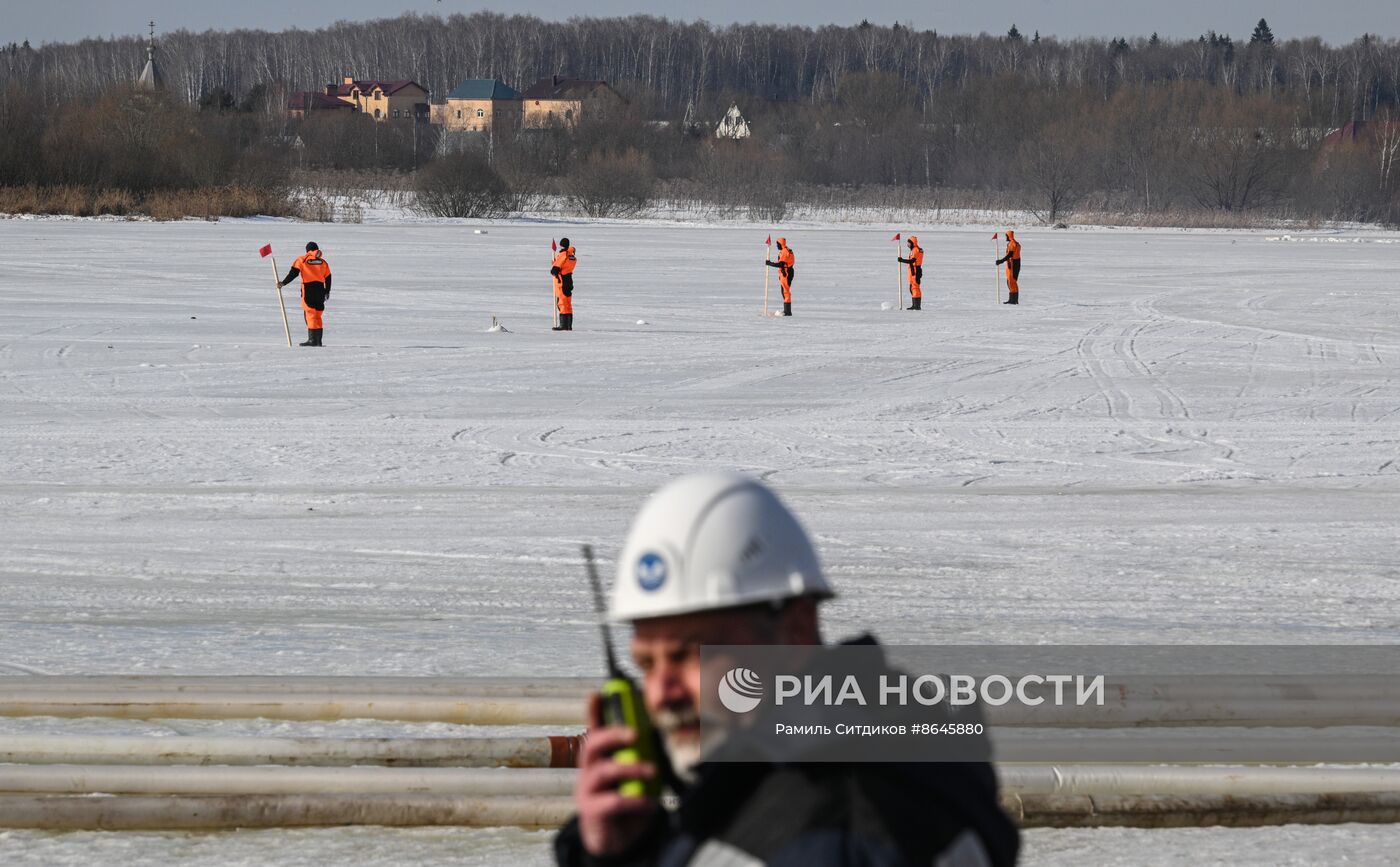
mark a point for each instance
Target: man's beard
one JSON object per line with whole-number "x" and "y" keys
{"x": 680, "y": 731}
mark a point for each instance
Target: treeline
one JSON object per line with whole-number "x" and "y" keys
{"x": 695, "y": 62}
{"x": 1127, "y": 129}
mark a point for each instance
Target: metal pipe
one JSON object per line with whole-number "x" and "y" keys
{"x": 553, "y": 751}
{"x": 145, "y": 813}
{"x": 1199, "y": 811}
{"x": 504, "y": 687}
{"x": 271, "y": 780}
{"x": 461, "y": 710}
{"x": 1171, "y": 780}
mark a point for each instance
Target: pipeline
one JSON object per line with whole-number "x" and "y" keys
{"x": 1201, "y": 745}
{"x": 1275, "y": 702}
{"x": 1103, "y": 780}
{"x": 218, "y": 813}
{"x": 552, "y": 751}
{"x": 271, "y": 780}
{"x": 1199, "y": 811}
{"x": 460, "y": 710}
{"x": 146, "y": 813}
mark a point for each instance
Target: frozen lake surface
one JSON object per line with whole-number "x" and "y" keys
{"x": 1177, "y": 437}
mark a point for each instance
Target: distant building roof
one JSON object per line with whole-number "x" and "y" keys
{"x": 556, "y": 87}
{"x": 367, "y": 85}
{"x": 483, "y": 88}
{"x": 314, "y": 100}
{"x": 151, "y": 78}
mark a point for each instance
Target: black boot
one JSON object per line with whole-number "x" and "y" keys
{"x": 1012, "y": 299}
{"x": 916, "y": 304}
{"x": 316, "y": 336}
{"x": 310, "y": 338}
{"x": 787, "y": 308}
{"x": 568, "y": 321}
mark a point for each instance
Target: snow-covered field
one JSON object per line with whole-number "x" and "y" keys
{"x": 1184, "y": 437}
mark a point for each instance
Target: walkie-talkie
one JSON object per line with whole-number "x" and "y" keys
{"x": 622, "y": 702}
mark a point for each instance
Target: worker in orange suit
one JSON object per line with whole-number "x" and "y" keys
{"x": 315, "y": 274}
{"x": 563, "y": 273}
{"x": 915, "y": 261}
{"x": 787, "y": 272}
{"x": 1013, "y": 267}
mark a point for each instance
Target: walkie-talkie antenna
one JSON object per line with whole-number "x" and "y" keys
{"x": 601, "y": 610}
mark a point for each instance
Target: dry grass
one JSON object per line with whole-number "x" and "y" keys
{"x": 207, "y": 203}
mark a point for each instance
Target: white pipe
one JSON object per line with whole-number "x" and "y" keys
{"x": 1171, "y": 689}
{"x": 1199, "y": 811}
{"x": 1168, "y": 780}
{"x": 553, "y": 751}
{"x": 1200, "y": 745}
{"x": 461, "y": 710}
{"x": 145, "y": 813}
{"x": 221, "y": 780}
{"x": 141, "y": 813}
{"x": 503, "y": 687}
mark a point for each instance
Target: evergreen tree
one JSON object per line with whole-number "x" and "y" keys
{"x": 1262, "y": 34}
{"x": 1013, "y": 35}
{"x": 1036, "y": 39}
{"x": 1155, "y": 40}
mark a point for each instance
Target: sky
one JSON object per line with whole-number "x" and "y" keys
{"x": 1336, "y": 22}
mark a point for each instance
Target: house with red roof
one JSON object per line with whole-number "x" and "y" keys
{"x": 383, "y": 100}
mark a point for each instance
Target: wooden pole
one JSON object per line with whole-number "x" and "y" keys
{"x": 281, "y": 302}
{"x": 996, "y": 275}
{"x": 898, "y": 275}
{"x": 768, "y": 255}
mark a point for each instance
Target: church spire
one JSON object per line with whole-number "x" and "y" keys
{"x": 151, "y": 78}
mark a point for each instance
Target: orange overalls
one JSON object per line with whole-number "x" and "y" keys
{"x": 786, "y": 269}
{"x": 916, "y": 268}
{"x": 315, "y": 286}
{"x": 1013, "y": 263}
{"x": 565, "y": 261}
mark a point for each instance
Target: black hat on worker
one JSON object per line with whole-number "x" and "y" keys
{"x": 312, "y": 245}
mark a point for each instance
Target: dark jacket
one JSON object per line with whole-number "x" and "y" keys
{"x": 816, "y": 814}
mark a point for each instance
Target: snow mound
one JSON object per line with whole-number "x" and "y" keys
{"x": 886, "y": 305}
{"x": 641, "y": 322}
{"x": 497, "y": 327}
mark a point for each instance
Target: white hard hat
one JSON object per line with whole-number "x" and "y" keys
{"x": 716, "y": 540}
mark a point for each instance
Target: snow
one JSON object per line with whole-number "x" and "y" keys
{"x": 1178, "y": 436}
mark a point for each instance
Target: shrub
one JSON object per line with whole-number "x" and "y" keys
{"x": 612, "y": 186}
{"x": 463, "y": 185}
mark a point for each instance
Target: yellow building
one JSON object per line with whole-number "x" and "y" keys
{"x": 479, "y": 105}
{"x": 383, "y": 100}
{"x": 563, "y": 101}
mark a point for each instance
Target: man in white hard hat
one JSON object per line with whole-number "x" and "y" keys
{"x": 717, "y": 559}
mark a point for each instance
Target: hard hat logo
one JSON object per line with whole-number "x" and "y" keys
{"x": 740, "y": 690}
{"x": 651, "y": 572}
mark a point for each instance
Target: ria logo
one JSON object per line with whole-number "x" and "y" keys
{"x": 651, "y": 571}
{"x": 740, "y": 690}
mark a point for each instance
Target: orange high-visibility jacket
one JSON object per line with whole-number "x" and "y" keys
{"x": 916, "y": 262}
{"x": 315, "y": 273}
{"x": 565, "y": 261}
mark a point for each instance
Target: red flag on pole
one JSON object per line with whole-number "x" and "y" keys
{"x": 553, "y": 246}
{"x": 768, "y": 242}
{"x": 896, "y": 236}
{"x": 265, "y": 251}
{"x": 994, "y": 235}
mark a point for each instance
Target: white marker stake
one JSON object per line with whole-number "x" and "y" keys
{"x": 281, "y": 302}
{"x": 768, "y": 255}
